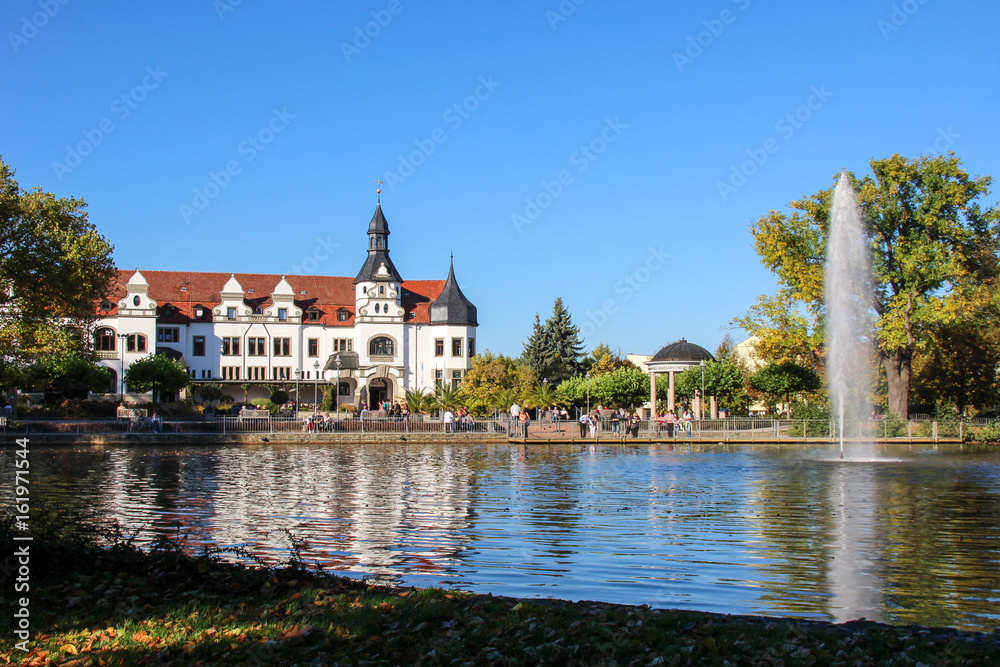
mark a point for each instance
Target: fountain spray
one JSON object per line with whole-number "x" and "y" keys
{"x": 848, "y": 296}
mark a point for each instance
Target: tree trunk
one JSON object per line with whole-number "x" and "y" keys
{"x": 897, "y": 375}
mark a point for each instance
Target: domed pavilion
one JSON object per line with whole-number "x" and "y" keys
{"x": 676, "y": 358}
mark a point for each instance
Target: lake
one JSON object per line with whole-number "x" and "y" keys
{"x": 908, "y": 534}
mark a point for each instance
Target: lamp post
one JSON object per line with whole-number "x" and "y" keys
{"x": 588, "y": 392}
{"x": 316, "y": 390}
{"x": 338, "y": 363}
{"x": 121, "y": 379}
{"x": 298, "y": 374}
{"x": 701, "y": 407}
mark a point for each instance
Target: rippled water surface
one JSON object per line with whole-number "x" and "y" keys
{"x": 909, "y": 535}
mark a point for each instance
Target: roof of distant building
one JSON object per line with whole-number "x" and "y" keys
{"x": 683, "y": 351}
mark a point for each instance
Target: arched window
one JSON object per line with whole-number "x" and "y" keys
{"x": 112, "y": 387}
{"x": 104, "y": 340}
{"x": 135, "y": 343}
{"x": 380, "y": 346}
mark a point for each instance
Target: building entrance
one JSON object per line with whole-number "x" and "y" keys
{"x": 379, "y": 391}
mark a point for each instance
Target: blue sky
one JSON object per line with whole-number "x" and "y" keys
{"x": 612, "y": 154}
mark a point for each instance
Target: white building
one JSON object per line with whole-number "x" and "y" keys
{"x": 268, "y": 330}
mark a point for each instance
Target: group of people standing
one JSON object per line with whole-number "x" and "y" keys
{"x": 620, "y": 422}
{"x": 671, "y": 422}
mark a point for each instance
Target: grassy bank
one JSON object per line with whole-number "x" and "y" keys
{"x": 119, "y": 605}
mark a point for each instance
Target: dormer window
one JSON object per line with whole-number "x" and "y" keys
{"x": 282, "y": 314}
{"x": 312, "y": 315}
{"x": 257, "y": 310}
{"x": 343, "y": 314}
{"x": 199, "y": 312}
{"x": 230, "y": 313}
{"x": 106, "y": 305}
{"x": 168, "y": 311}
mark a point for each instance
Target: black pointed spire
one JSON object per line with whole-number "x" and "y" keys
{"x": 378, "y": 250}
{"x": 451, "y": 306}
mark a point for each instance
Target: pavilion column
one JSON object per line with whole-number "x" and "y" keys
{"x": 697, "y": 405}
{"x": 652, "y": 394}
{"x": 670, "y": 392}
{"x": 714, "y": 406}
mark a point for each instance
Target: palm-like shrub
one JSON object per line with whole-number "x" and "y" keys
{"x": 447, "y": 397}
{"x": 419, "y": 400}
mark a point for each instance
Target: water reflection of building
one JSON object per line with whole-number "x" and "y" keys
{"x": 354, "y": 508}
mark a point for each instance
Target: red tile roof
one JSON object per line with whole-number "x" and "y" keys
{"x": 187, "y": 290}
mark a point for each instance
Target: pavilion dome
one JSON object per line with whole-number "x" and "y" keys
{"x": 682, "y": 351}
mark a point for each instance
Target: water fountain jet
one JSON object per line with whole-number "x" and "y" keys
{"x": 848, "y": 298}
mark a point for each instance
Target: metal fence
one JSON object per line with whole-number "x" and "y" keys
{"x": 722, "y": 430}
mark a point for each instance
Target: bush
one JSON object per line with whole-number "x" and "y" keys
{"x": 265, "y": 404}
{"x": 279, "y": 396}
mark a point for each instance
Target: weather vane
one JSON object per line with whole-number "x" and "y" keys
{"x": 378, "y": 188}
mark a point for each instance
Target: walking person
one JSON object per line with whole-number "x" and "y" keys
{"x": 584, "y": 422}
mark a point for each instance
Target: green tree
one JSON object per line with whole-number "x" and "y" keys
{"x": 930, "y": 239}
{"x": 623, "y": 387}
{"x": 490, "y": 376}
{"x": 603, "y": 360}
{"x": 785, "y": 379}
{"x": 574, "y": 390}
{"x": 72, "y": 375}
{"x": 211, "y": 393}
{"x": 54, "y": 269}
{"x": 157, "y": 373}
{"x": 554, "y": 349}
{"x": 961, "y": 367}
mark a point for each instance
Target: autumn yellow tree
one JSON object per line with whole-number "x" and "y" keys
{"x": 931, "y": 239}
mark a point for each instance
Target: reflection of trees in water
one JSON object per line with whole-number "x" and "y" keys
{"x": 900, "y": 542}
{"x": 941, "y": 558}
